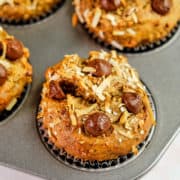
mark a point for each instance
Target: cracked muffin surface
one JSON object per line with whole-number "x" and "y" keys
{"x": 15, "y": 70}
{"x": 95, "y": 108}
{"x": 23, "y": 10}
{"x": 128, "y": 23}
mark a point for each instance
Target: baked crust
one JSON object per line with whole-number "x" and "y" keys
{"x": 63, "y": 119}
{"x": 23, "y": 10}
{"x": 19, "y": 74}
{"x": 133, "y": 24}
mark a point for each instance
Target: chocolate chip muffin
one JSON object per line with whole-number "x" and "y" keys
{"x": 15, "y": 70}
{"x": 25, "y": 10}
{"x": 95, "y": 108}
{"x": 127, "y": 23}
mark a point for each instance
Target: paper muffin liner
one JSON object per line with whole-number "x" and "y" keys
{"x": 62, "y": 156}
{"x": 32, "y": 20}
{"x": 6, "y": 115}
{"x": 139, "y": 49}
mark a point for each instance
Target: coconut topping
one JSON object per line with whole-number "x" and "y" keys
{"x": 106, "y": 99}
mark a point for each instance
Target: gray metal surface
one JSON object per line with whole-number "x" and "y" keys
{"x": 48, "y": 41}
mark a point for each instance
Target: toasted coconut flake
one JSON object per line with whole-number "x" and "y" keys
{"x": 141, "y": 124}
{"x": 11, "y": 104}
{"x": 127, "y": 126}
{"x": 126, "y": 134}
{"x": 49, "y": 133}
{"x": 77, "y": 10}
{"x": 99, "y": 90}
{"x": 6, "y": 64}
{"x": 55, "y": 133}
{"x": 101, "y": 34}
{"x": 131, "y": 11}
{"x": 123, "y": 109}
{"x": 135, "y": 18}
{"x": 113, "y": 54}
{"x": 71, "y": 110}
{"x": 117, "y": 45}
{"x": 96, "y": 18}
{"x": 118, "y": 33}
{"x": 79, "y": 131}
{"x": 81, "y": 142}
{"x": 120, "y": 140}
{"x": 54, "y": 77}
{"x": 89, "y": 69}
{"x": 78, "y": 71}
{"x": 108, "y": 110}
{"x": 11, "y": 2}
{"x": 85, "y": 110}
{"x": 86, "y": 13}
{"x": 124, "y": 117}
{"x": 131, "y": 31}
{"x": 112, "y": 19}
{"x": 78, "y": 106}
{"x": 135, "y": 150}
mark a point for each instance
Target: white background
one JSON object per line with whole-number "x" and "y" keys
{"x": 168, "y": 168}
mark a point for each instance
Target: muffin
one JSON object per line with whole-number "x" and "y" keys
{"x": 95, "y": 108}
{"x": 127, "y": 23}
{"x": 26, "y": 10}
{"x": 15, "y": 70}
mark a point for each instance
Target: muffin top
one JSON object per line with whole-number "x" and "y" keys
{"x": 96, "y": 102}
{"x": 15, "y": 70}
{"x": 128, "y": 23}
{"x": 22, "y": 10}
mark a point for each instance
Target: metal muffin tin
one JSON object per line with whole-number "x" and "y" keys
{"x": 49, "y": 40}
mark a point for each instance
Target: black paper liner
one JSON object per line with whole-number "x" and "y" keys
{"x": 84, "y": 165}
{"x": 54, "y": 9}
{"x": 5, "y": 115}
{"x": 139, "y": 49}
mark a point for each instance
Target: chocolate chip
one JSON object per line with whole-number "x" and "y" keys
{"x": 161, "y": 7}
{"x": 3, "y": 74}
{"x": 97, "y": 124}
{"x": 68, "y": 87}
{"x": 110, "y": 5}
{"x": 133, "y": 102}
{"x": 103, "y": 68}
{"x": 14, "y": 49}
{"x": 55, "y": 91}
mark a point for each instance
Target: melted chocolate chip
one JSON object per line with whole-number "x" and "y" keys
{"x": 110, "y": 5}
{"x": 133, "y": 102}
{"x": 103, "y": 68}
{"x": 14, "y": 49}
{"x": 97, "y": 124}
{"x": 55, "y": 91}
{"x": 161, "y": 7}
{"x": 68, "y": 87}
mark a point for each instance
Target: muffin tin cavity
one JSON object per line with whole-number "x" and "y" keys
{"x": 6, "y": 115}
{"x": 62, "y": 156}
